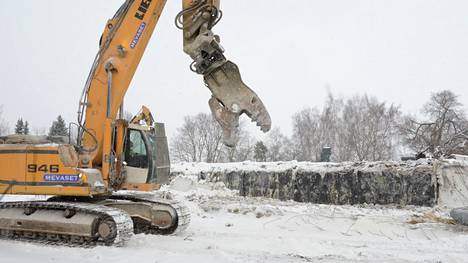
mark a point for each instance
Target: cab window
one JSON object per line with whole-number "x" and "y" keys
{"x": 135, "y": 150}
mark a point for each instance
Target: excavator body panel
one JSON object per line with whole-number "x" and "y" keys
{"x": 30, "y": 169}
{"x": 53, "y": 169}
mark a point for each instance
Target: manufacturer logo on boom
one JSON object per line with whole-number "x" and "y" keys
{"x": 141, "y": 12}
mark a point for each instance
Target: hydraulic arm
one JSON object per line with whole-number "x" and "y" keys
{"x": 123, "y": 43}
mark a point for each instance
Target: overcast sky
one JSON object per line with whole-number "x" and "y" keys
{"x": 290, "y": 52}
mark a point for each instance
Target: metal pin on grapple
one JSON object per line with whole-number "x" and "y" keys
{"x": 230, "y": 96}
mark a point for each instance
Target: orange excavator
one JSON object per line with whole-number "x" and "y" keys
{"x": 101, "y": 183}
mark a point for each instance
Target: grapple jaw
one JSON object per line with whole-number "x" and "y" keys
{"x": 230, "y": 96}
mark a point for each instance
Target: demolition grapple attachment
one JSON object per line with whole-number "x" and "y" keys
{"x": 230, "y": 96}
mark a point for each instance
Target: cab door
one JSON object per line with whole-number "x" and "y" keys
{"x": 136, "y": 157}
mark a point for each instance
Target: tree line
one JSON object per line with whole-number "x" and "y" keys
{"x": 358, "y": 128}
{"x": 57, "y": 128}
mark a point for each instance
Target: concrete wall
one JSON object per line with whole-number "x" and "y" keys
{"x": 405, "y": 183}
{"x": 452, "y": 182}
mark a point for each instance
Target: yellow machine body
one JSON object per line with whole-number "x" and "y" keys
{"x": 43, "y": 170}
{"x": 100, "y": 157}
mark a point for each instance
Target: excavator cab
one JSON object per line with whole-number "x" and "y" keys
{"x": 146, "y": 156}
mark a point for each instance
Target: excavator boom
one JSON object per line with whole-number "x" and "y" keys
{"x": 123, "y": 43}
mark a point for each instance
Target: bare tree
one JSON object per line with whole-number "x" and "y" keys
{"x": 200, "y": 140}
{"x": 369, "y": 128}
{"x": 359, "y": 128}
{"x": 280, "y": 147}
{"x": 3, "y": 124}
{"x": 186, "y": 146}
{"x": 260, "y": 152}
{"x": 243, "y": 149}
{"x": 443, "y": 131}
{"x": 306, "y": 134}
{"x": 331, "y": 129}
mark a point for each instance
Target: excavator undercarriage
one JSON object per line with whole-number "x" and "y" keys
{"x": 64, "y": 223}
{"x": 88, "y": 222}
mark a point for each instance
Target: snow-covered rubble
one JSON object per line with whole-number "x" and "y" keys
{"x": 233, "y": 228}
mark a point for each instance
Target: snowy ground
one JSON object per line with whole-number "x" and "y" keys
{"x": 228, "y": 228}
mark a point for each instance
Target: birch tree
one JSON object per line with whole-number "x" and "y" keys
{"x": 359, "y": 128}
{"x": 3, "y": 123}
{"x": 200, "y": 140}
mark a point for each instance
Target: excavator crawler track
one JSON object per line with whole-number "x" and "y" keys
{"x": 179, "y": 211}
{"x": 61, "y": 223}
